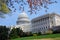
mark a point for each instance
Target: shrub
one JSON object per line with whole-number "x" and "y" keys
{"x": 35, "y": 34}
{"x": 28, "y": 34}
{"x": 49, "y": 32}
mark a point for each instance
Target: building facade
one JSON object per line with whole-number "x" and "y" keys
{"x": 45, "y": 22}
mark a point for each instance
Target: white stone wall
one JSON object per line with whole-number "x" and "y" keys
{"x": 54, "y": 20}
{"x": 57, "y": 20}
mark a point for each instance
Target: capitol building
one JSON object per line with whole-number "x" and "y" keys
{"x": 38, "y": 24}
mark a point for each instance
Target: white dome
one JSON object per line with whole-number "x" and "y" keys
{"x": 23, "y": 14}
{"x": 23, "y": 19}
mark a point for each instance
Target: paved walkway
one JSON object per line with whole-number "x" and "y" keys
{"x": 45, "y": 39}
{"x": 48, "y": 39}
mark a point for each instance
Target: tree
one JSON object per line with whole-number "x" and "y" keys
{"x": 4, "y": 9}
{"x": 34, "y": 5}
{"x": 13, "y": 34}
{"x": 16, "y": 32}
{"x": 4, "y": 33}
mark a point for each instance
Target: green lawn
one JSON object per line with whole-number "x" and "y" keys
{"x": 39, "y": 37}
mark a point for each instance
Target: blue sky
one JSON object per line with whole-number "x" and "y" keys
{"x": 12, "y": 18}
